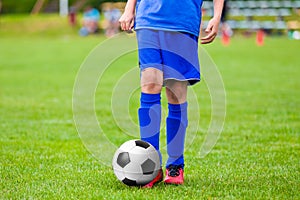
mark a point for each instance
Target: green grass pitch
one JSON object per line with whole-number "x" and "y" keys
{"x": 42, "y": 156}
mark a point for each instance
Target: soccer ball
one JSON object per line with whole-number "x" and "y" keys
{"x": 136, "y": 163}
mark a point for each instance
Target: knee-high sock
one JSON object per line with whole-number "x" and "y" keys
{"x": 150, "y": 118}
{"x": 176, "y": 128}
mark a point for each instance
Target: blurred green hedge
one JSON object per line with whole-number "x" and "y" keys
{"x": 20, "y": 6}
{"x": 25, "y": 6}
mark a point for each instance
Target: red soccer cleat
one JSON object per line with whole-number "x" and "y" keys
{"x": 156, "y": 180}
{"x": 174, "y": 175}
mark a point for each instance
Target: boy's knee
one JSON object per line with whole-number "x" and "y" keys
{"x": 151, "y": 88}
{"x": 151, "y": 81}
{"x": 176, "y": 91}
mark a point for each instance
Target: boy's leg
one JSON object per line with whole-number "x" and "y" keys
{"x": 151, "y": 84}
{"x": 176, "y": 128}
{"x": 150, "y": 112}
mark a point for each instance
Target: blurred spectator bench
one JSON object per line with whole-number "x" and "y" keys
{"x": 256, "y": 14}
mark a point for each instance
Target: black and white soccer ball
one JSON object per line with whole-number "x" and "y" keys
{"x": 136, "y": 163}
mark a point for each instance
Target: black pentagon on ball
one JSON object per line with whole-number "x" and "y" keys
{"x": 129, "y": 182}
{"x": 123, "y": 159}
{"x": 142, "y": 144}
{"x": 148, "y": 167}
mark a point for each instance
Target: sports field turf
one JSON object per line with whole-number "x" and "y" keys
{"x": 42, "y": 156}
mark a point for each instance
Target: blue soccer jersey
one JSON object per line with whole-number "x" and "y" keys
{"x": 169, "y": 15}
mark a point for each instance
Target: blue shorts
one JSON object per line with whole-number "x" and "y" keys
{"x": 174, "y": 53}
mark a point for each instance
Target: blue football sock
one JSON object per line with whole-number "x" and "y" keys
{"x": 150, "y": 118}
{"x": 176, "y": 128}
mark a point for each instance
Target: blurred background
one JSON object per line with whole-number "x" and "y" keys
{"x": 273, "y": 17}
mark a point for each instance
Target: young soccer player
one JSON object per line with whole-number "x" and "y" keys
{"x": 167, "y": 35}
